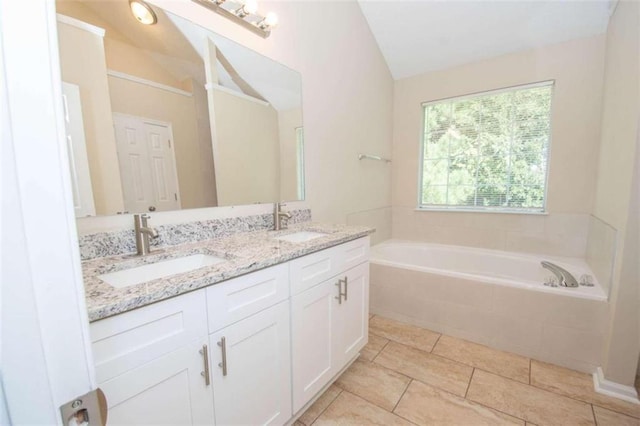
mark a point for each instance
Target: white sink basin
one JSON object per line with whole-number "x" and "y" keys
{"x": 300, "y": 237}
{"x": 152, "y": 271}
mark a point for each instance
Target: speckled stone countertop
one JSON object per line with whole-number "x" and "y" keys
{"x": 244, "y": 253}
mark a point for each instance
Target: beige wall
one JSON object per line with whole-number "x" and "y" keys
{"x": 246, "y": 150}
{"x": 82, "y": 63}
{"x": 347, "y": 105}
{"x": 288, "y": 121}
{"x": 141, "y": 100}
{"x": 617, "y": 188}
{"x": 577, "y": 68}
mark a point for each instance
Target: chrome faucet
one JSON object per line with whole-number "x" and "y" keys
{"x": 143, "y": 232}
{"x": 565, "y": 278}
{"x": 280, "y": 218}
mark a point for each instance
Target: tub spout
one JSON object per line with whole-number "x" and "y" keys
{"x": 565, "y": 278}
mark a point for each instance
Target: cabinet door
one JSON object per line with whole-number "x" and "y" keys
{"x": 256, "y": 386}
{"x": 312, "y": 336}
{"x": 169, "y": 390}
{"x": 351, "y": 316}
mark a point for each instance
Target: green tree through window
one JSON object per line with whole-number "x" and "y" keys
{"x": 487, "y": 151}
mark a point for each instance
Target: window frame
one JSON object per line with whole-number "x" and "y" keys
{"x": 487, "y": 209}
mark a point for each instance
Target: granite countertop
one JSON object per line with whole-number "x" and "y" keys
{"x": 244, "y": 253}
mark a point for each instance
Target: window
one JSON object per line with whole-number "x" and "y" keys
{"x": 487, "y": 151}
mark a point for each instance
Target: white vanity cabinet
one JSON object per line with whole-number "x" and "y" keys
{"x": 251, "y": 350}
{"x": 329, "y": 317}
{"x": 149, "y": 363}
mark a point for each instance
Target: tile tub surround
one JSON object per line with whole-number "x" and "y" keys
{"x": 564, "y": 330}
{"x": 103, "y": 244}
{"x": 376, "y": 391}
{"x": 244, "y": 253}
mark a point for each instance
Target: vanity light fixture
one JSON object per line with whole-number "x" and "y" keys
{"x": 244, "y": 13}
{"x": 143, "y": 12}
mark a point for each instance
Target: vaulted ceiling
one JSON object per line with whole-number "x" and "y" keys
{"x": 419, "y": 36}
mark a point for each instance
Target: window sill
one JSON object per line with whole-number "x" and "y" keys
{"x": 463, "y": 210}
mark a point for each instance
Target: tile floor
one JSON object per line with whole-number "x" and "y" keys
{"x": 408, "y": 375}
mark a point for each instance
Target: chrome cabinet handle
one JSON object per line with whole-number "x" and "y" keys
{"x": 223, "y": 346}
{"x": 340, "y": 293}
{"x": 205, "y": 355}
{"x": 346, "y": 287}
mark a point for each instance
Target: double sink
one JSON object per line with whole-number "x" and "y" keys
{"x": 165, "y": 268}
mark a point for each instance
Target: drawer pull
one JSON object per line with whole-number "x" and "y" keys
{"x": 205, "y": 355}
{"x": 346, "y": 287}
{"x": 223, "y": 347}
{"x": 339, "y": 296}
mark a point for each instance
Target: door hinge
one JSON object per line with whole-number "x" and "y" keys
{"x": 175, "y": 195}
{"x": 169, "y": 142}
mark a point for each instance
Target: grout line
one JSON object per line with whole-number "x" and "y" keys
{"x": 401, "y": 396}
{"x": 327, "y": 407}
{"x": 434, "y": 345}
{"x": 469, "y": 384}
{"x": 380, "y": 351}
{"x": 529, "y": 370}
{"x": 595, "y": 421}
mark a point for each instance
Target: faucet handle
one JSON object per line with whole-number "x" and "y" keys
{"x": 551, "y": 281}
{"x": 586, "y": 280}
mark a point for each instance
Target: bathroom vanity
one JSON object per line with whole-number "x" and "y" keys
{"x": 253, "y": 339}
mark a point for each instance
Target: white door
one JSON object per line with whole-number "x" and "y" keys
{"x": 312, "y": 336}
{"x": 254, "y": 388}
{"x": 77, "y": 149}
{"x": 147, "y": 164}
{"x": 350, "y": 320}
{"x": 166, "y": 391}
{"x": 46, "y": 353}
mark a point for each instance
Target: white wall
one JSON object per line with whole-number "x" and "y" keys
{"x": 617, "y": 190}
{"x": 577, "y": 68}
{"x": 347, "y": 101}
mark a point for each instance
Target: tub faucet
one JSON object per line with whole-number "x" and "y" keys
{"x": 565, "y": 278}
{"x": 143, "y": 232}
{"x": 280, "y": 218}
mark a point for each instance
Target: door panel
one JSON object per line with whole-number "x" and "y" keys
{"x": 147, "y": 164}
{"x": 312, "y": 336}
{"x": 257, "y": 386}
{"x": 166, "y": 391}
{"x": 83, "y": 203}
{"x": 351, "y": 316}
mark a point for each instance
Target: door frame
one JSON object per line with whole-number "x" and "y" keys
{"x": 46, "y": 357}
{"x": 169, "y": 126}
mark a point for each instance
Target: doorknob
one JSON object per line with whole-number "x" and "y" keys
{"x": 152, "y": 208}
{"x": 90, "y": 408}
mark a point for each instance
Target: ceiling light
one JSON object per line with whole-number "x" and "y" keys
{"x": 143, "y": 12}
{"x": 242, "y": 12}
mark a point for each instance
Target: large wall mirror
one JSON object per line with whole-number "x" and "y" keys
{"x": 172, "y": 116}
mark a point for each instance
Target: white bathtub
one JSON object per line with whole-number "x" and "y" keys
{"x": 489, "y": 266}
{"x": 491, "y": 297}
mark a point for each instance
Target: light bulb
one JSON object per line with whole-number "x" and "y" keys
{"x": 142, "y": 12}
{"x": 271, "y": 19}
{"x": 251, "y": 7}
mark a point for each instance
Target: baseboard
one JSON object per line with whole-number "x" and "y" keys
{"x": 616, "y": 390}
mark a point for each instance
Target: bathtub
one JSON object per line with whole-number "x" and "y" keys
{"x": 492, "y": 297}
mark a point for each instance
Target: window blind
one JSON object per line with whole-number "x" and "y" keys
{"x": 487, "y": 151}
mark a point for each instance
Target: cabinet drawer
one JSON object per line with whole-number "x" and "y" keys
{"x": 241, "y": 297}
{"x": 133, "y": 338}
{"x": 315, "y": 268}
{"x": 353, "y": 253}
